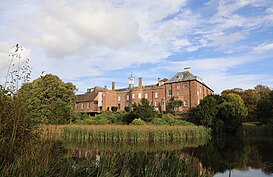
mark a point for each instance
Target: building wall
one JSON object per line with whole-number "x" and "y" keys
{"x": 190, "y": 92}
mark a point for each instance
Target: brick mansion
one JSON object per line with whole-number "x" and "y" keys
{"x": 182, "y": 86}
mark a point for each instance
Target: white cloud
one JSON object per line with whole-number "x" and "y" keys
{"x": 264, "y": 47}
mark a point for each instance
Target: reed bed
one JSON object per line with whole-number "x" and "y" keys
{"x": 124, "y": 133}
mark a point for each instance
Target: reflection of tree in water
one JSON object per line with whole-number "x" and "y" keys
{"x": 221, "y": 155}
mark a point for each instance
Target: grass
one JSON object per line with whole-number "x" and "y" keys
{"x": 124, "y": 133}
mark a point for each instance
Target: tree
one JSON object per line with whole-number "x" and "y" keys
{"x": 263, "y": 90}
{"x": 221, "y": 114}
{"x": 237, "y": 91}
{"x": 50, "y": 99}
{"x": 173, "y": 104}
{"x": 251, "y": 98}
{"x": 205, "y": 112}
{"x": 264, "y": 111}
{"x": 232, "y": 112}
{"x": 144, "y": 110}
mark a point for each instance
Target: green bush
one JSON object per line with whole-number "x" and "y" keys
{"x": 159, "y": 121}
{"x": 138, "y": 121}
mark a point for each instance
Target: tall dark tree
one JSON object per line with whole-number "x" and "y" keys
{"x": 144, "y": 110}
{"x": 264, "y": 111}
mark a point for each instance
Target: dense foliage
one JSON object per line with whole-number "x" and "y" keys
{"x": 256, "y": 101}
{"x": 264, "y": 111}
{"x": 172, "y": 105}
{"x": 144, "y": 110}
{"x": 50, "y": 99}
{"x": 221, "y": 114}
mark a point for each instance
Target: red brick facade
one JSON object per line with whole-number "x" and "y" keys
{"x": 183, "y": 86}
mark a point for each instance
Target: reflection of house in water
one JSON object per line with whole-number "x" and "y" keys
{"x": 182, "y": 86}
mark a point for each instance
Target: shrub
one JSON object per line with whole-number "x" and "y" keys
{"x": 138, "y": 121}
{"x": 159, "y": 121}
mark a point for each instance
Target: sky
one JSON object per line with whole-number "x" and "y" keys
{"x": 228, "y": 43}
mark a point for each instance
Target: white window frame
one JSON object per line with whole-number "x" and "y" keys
{"x": 133, "y": 96}
{"x": 178, "y": 86}
{"x": 127, "y": 97}
{"x": 118, "y": 98}
{"x": 139, "y": 95}
{"x": 82, "y": 106}
{"x": 146, "y": 95}
{"x": 185, "y": 102}
{"x": 185, "y": 85}
{"x": 169, "y": 92}
{"x": 156, "y": 94}
{"x": 178, "y": 93}
{"x": 88, "y": 105}
{"x": 156, "y": 103}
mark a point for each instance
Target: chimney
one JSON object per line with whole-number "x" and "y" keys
{"x": 139, "y": 82}
{"x": 113, "y": 86}
{"x": 187, "y": 69}
{"x": 158, "y": 80}
{"x": 105, "y": 87}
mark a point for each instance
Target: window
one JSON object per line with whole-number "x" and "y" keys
{"x": 170, "y": 92}
{"x": 197, "y": 92}
{"x": 156, "y": 103}
{"x": 178, "y": 86}
{"x": 178, "y": 93}
{"x": 118, "y": 106}
{"x": 198, "y": 101}
{"x": 82, "y": 105}
{"x": 156, "y": 94}
{"x": 88, "y": 105}
{"x": 118, "y": 98}
{"x": 146, "y": 95}
{"x": 133, "y": 96}
{"x": 127, "y": 97}
{"x": 139, "y": 95}
{"x": 185, "y": 103}
{"x": 185, "y": 85}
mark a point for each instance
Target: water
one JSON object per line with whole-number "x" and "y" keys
{"x": 232, "y": 156}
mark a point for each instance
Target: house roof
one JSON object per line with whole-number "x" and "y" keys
{"x": 184, "y": 76}
{"x": 86, "y": 97}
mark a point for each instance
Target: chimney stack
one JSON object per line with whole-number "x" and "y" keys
{"x": 187, "y": 69}
{"x": 113, "y": 86}
{"x": 158, "y": 80}
{"x": 139, "y": 82}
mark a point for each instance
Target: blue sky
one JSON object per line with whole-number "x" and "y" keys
{"x": 228, "y": 43}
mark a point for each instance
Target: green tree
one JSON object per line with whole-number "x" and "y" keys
{"x": 144, "y": 110}
{"x": 172, "y": 105}
{"x": 50, "y": 99}
{"x": 251, "y": 98}
{"x": 232, "y": 112}
{"x": 237, "y": 91}
{"x": 264, "y": 111}
{"x": 205, "y": 112}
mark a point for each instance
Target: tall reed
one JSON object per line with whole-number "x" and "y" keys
{"x": 124, "y": 133}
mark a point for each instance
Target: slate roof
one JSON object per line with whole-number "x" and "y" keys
{"x": 86, "y": 97}
{"x": 184, "y": 76}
